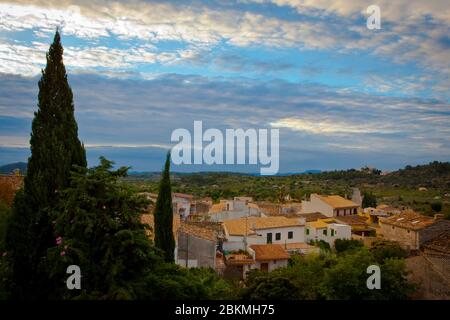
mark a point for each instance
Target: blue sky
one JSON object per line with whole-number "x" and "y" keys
{"x": 342, "y": 95}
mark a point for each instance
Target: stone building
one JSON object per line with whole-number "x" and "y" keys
{"x": 411, "y": 229}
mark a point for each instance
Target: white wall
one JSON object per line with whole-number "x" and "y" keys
{"x": 234, "y": 214}
{"x": 235, "y": 243}
{"x": 298, "y": 234}
{"x": 273, "y": 264}
{"x": 341, "y": 231}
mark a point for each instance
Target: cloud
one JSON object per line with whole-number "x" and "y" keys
{"x": 412, "y": 32}
{"x": 331, "y": 126}
{"x": 316, "y": 122}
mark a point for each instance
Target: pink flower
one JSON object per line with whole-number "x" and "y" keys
{"x": 4, "y": 254}
{"x": 58, "y": 241}
{"x": 63, "y": 253}
{"x": 65, "y": 247}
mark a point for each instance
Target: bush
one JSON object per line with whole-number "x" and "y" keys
{"x": 384, "y": 249}
{"x": 436, "y": 206}
{"x": 342, "y": 245}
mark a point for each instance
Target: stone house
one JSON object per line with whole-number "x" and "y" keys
{"x": 411, "y": 229}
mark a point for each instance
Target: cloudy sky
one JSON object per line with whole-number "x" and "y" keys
{"x": 342, "y": 95}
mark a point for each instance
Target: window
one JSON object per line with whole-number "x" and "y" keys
{"x": 269, "y": 238}
{"x": 325, "y": 232}
{"x": 307, "y": 231}
{"x": 332, "y": 232}
{"x": 278, "y": 236}
{"x": 291, "y": 234}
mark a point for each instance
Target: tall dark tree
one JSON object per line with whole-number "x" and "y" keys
{"x": 55, "y": 149}
{"x": 164, "y": 215}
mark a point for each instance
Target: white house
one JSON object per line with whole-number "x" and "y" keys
{"x": 182, "y": 204}
{"x": 331, "y": 206}
{"x": 239, "y": 207}
{"x": 265, "y": 257}
{"x": 327, "y": 230}
{"x": 268, "y": 257}
{"x": 240, "y": 233}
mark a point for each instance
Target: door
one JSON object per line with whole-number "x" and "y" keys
{"x": 269, "y": 238}
{"x": 265, "y": 267}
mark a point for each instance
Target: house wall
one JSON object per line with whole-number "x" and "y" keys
{"x": 317, "y": 205}
{"x": 182, "y": 206}
{"x": 195, "y": 249}
{"x": 234, "y": 214}
{"x": 236, "y": 243}
{"x": 408, "y": 239}
{"x": 273, "y": 264}
{"x": 298, "y": 234}
{"x": 341, "y": 232}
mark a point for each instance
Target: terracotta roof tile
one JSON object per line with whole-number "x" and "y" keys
{"x": 242, "y": 226}
{"x": 337, "y": 202}
{"x": 409, "y": 220}
{"x": 269, "y": 252}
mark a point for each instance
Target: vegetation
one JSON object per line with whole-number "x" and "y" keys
{"x": 341, "y": 245}
{"x": 369, "y": 200}
{"x": 330, "y": 276}
{"x": 55, "y": 148}
{"x": 164, "y": 215}
{"x": 399, "y": 188}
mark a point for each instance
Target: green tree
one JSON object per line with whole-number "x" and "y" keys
{"x": 347, "y": 279}
{"x": 436, "y": 206}
{"x": 384, "y": 249}
{"x": 268, "y": 286}
{"x": 342, "y": 245}
{"x": 369, "y": 200}
{"x": 55, "y": 149}
{"x": 97, "y": 227}
{"x": 164, "y": 215}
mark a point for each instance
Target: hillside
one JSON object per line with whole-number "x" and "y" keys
{"x": 9, "y": 168}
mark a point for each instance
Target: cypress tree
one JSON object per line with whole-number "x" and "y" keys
{"x": 164, "y": 215}
{"x": 55, "y": 149}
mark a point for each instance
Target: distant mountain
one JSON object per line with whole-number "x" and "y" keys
{"x": 9, "y": 168}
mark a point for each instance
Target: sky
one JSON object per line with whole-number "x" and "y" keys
{"x": 342, "y": 96}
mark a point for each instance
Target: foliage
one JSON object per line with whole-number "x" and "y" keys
{"x": 330, "y": 276}
{"x": 5, "y": 213}
{"x": 164, "y": 215}
{"x": 384, "y": 249}
{"x": 98, "y": 220}
{"x": 369, "y": 200}
{"x": 347, "y": 279}
{"x": 343, "y": 245}
{"x": 323, "y": 245}
{"x": 4, "y": 259}
{"x": 55, "y": 148}
{"x": 436, "y": 206}
{"x": 272, "y": 286}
